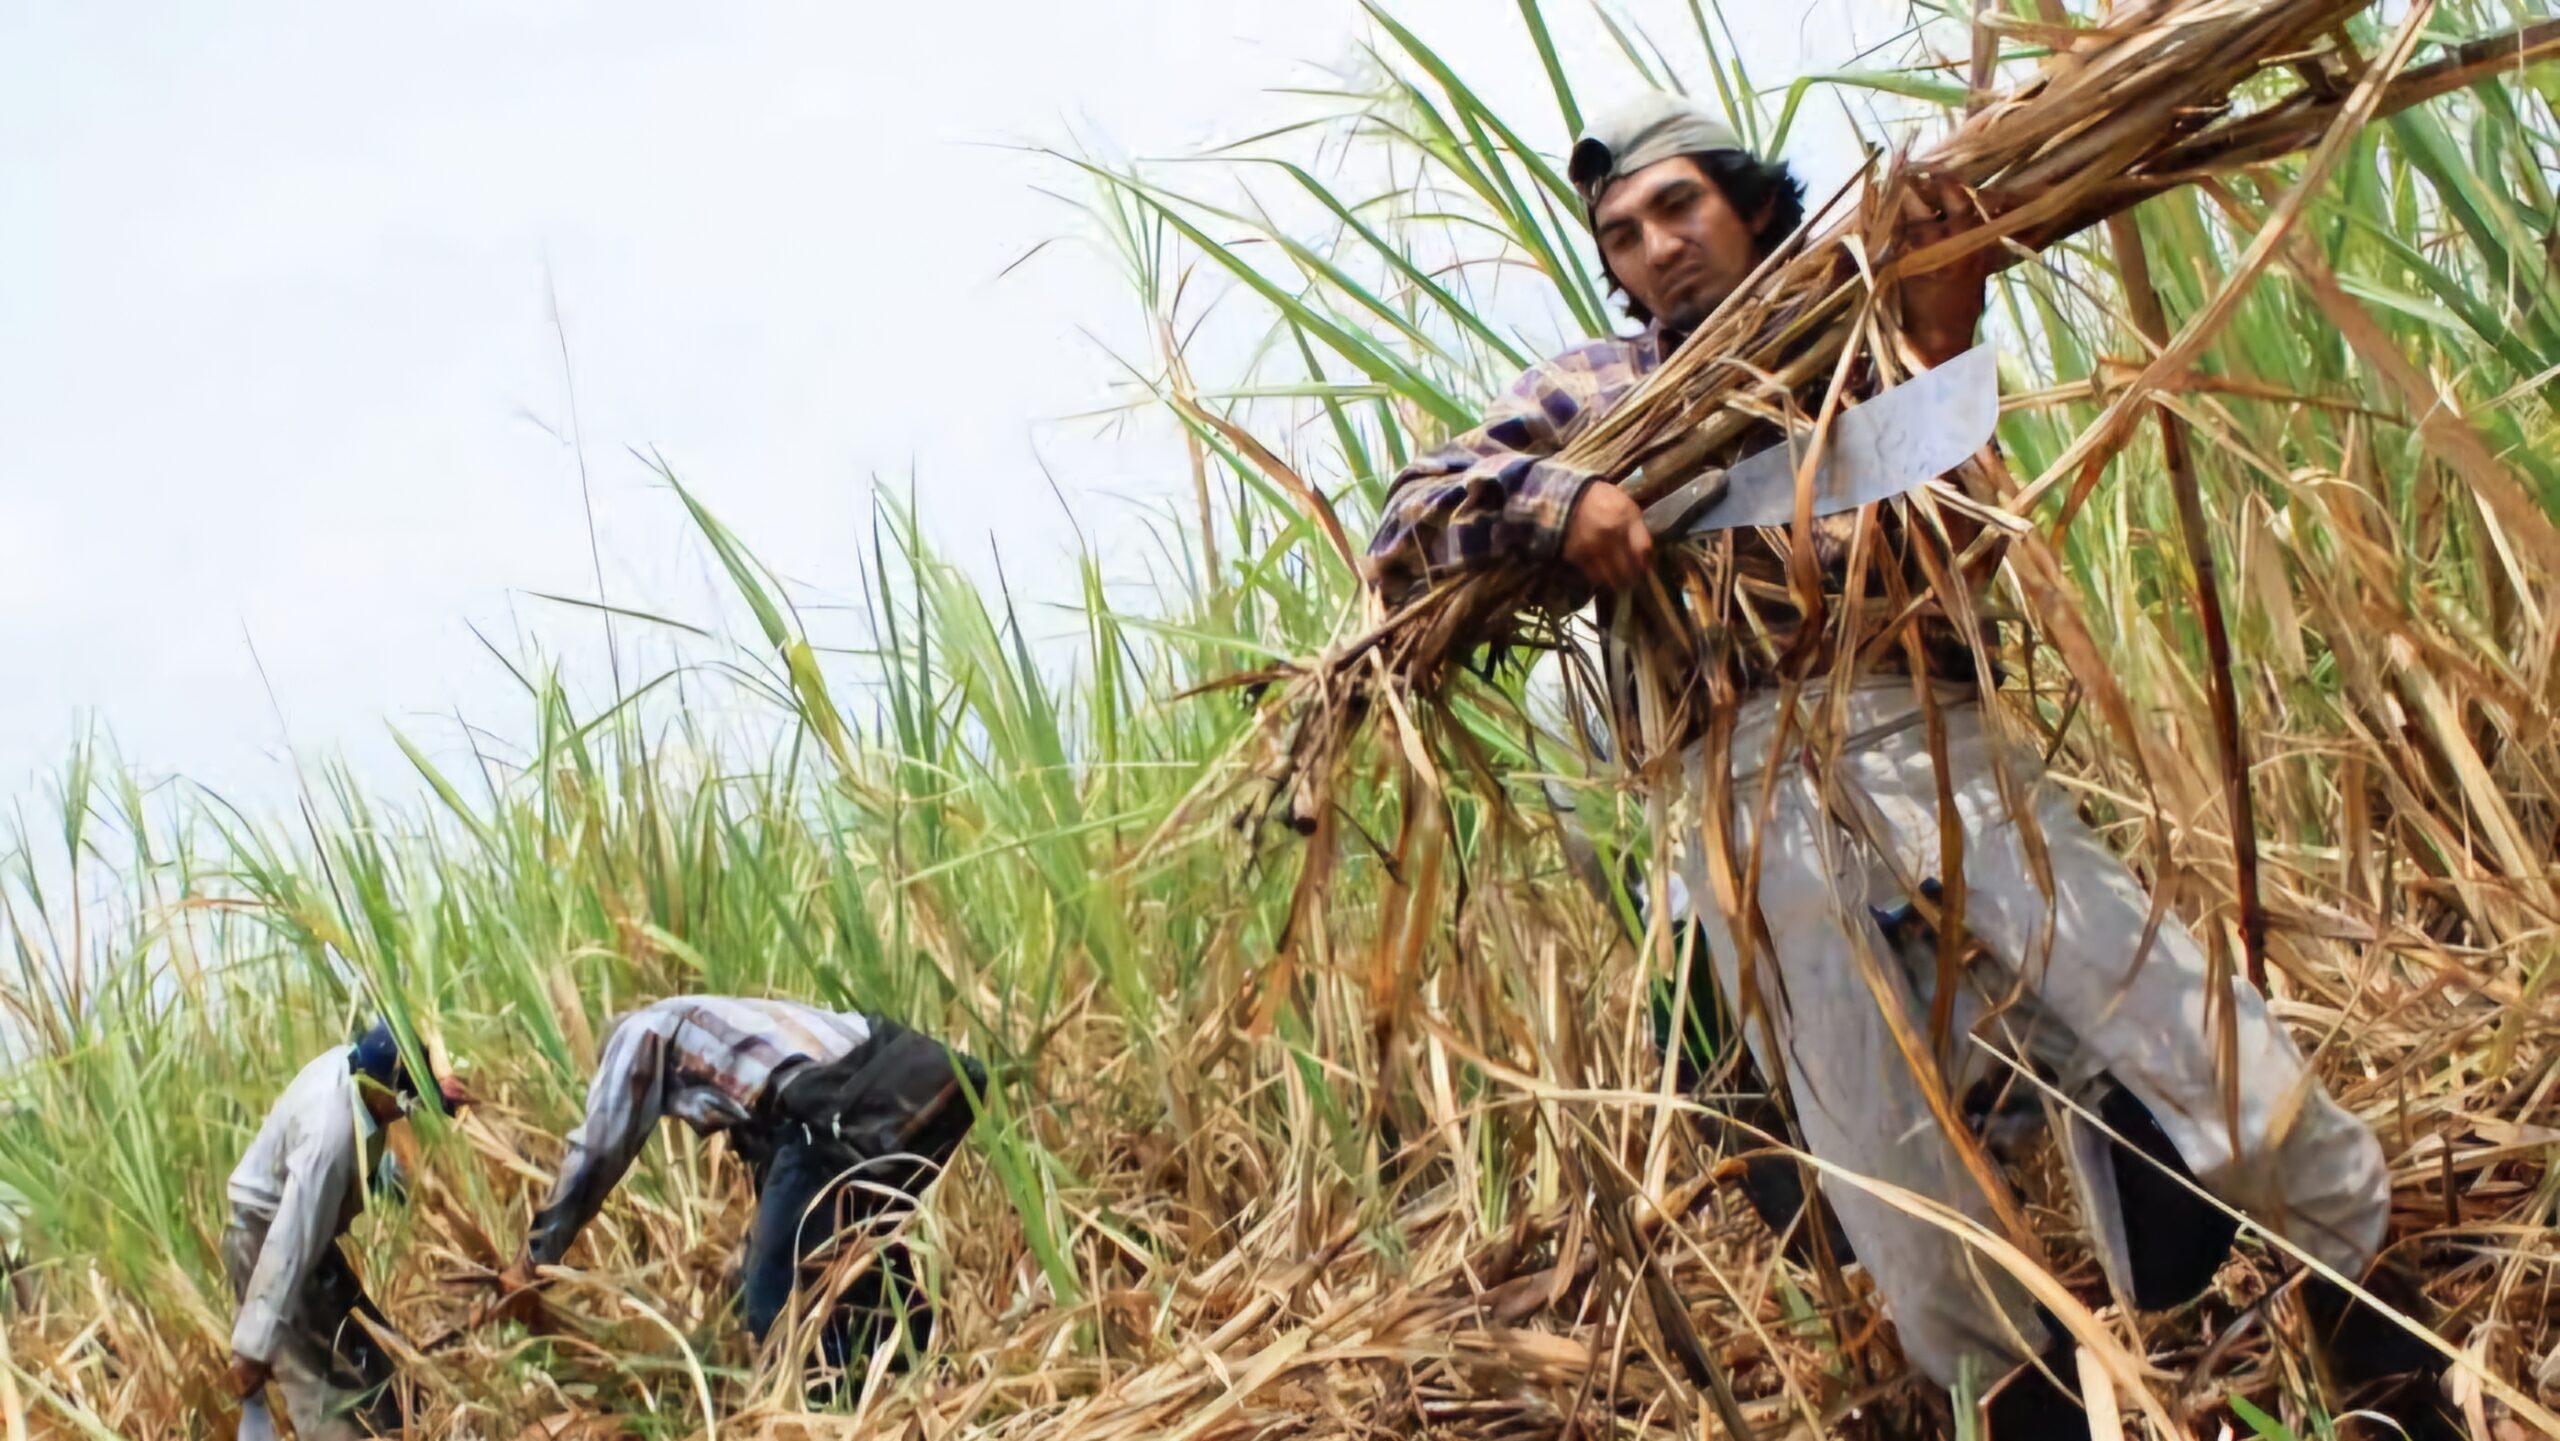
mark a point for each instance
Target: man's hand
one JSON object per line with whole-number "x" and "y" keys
{"x": 1605, "y": 537}
{"x": 520, "y": 1274}
{"x": 455, "y": 1095}
{"x": 246, "y": 1376}
{"x": 517, "y": 1298}
{"x": 1941, "y": 307}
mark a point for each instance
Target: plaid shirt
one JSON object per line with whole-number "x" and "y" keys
{"x": 704, "y": 1060}
{"x": 1496, "y": 492}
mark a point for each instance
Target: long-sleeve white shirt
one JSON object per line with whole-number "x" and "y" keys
{"x": 302, "y": 1184}
{"x": 704, "y": 1060}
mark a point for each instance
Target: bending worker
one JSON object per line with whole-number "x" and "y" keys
{"x": 298, "y": 1189}
{"x": 843, "y": 1120}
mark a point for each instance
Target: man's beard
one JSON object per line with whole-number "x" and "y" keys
{"x": 1688, "y": 315}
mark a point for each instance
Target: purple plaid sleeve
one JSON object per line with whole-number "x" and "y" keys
{"x": 1496, "y": 492}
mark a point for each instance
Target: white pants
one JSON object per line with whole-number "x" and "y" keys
{"x": 2301, "y": 1164}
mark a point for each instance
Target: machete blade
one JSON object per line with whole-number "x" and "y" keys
{"x": 1879, "y": 448}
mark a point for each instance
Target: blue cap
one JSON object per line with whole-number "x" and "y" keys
{"x": 376, "y": 1054}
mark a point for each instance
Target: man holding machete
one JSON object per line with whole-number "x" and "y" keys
{"x": 1682, "y": 214}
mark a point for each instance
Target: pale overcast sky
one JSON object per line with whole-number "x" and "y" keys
{"x": 275, "y": 332}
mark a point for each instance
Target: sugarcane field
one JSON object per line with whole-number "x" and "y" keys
{"x": 1224, "y": 721}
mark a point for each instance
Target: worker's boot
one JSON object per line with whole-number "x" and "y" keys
{"x": 2175, "y": 1239}
{"x": 1775, "y": 1183}
{"x": 2373, "y": 1363}
{"x": 2039, "y": 1402}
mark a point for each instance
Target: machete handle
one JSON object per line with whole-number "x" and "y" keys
{"x": 1672, "y": 513}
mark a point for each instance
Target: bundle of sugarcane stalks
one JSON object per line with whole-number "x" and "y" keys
{"x": 2122, "y": 112}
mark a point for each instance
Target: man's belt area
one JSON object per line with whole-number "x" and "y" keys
{"x": 1770, "y": 652}
{"x": 1758, "y": 653}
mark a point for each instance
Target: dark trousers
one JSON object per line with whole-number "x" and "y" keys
{"x": 849, "y": 1145}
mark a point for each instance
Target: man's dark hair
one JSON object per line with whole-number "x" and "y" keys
{"x": 1749, "y": 184}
